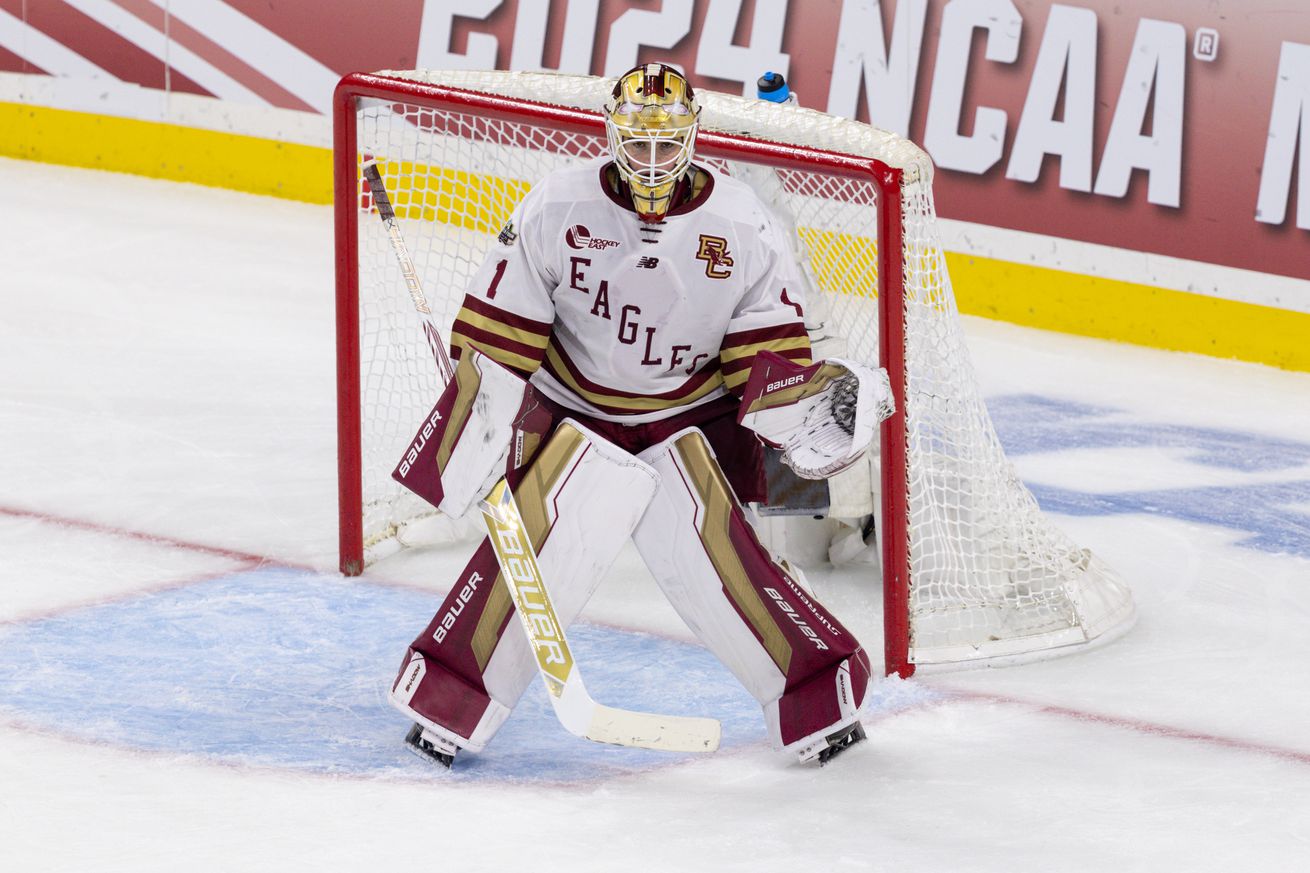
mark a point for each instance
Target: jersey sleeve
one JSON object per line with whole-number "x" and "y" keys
{"x": 508, "y": 310}
{"x": 770, "y": 315}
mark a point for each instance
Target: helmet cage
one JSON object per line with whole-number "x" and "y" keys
{"x": 639, "y": 152}
{"x": 651, "y": 121}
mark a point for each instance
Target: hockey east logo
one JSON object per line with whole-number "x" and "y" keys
{"x": 411, "y": 455}
{"x": 578, "y": 237}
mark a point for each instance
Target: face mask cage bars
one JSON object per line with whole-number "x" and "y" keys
{"x": 628, "y": 142}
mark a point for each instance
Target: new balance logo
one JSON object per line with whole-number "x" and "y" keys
{"x": 647, "y": 263}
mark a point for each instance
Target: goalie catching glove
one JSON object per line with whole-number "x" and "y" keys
{"x": 822, "y": 416}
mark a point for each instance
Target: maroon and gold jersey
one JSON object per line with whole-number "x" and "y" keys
{"x": 629, "y": 321}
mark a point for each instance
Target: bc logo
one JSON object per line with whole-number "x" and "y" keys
{"x": 714, "y": 252}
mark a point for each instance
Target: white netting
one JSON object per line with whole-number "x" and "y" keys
{"x": 990, "y": 576}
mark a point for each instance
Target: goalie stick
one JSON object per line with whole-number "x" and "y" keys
{"x": 412, "y": 284}
{"x": 574, "y": 707}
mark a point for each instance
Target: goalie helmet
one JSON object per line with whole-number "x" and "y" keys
{"x": 651, "y": 120}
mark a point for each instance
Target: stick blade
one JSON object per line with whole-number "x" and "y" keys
{"x": 665, "y": 733}
{"x": 583, "y": 717}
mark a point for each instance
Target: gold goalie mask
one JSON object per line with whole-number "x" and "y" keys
{"x": 651, "y": 119}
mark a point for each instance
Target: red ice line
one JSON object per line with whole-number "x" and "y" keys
{"x": 1142, "y": 727}
{"x": 245, "y": 561}
{"x": 251, "y": 561}
{"x": 154, "y": 539}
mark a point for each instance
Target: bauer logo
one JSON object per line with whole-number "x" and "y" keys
{"x": 465, "y": 595}
{"x": 578, "y": 237}
{"x": 424, "y": 434}
{"x": 794, "y": 616}
{"x": 784, "y": 383}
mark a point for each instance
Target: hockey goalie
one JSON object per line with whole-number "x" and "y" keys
{"x": 633, "y": 339}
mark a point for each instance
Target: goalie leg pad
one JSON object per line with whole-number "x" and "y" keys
{"x": 806, "y": 670}
{"x": 580, "y": 499}
{"x": 457, "y": 708}
{"x": 826, "y": 705}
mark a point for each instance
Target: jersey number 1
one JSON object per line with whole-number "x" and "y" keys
{"x": 495, "y": 280}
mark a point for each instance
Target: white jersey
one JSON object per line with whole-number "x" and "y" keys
{"x": 630, "y": 321}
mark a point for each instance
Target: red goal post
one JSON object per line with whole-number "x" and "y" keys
{"x": 973, "y": 572}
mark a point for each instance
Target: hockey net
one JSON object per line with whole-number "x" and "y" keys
{"x": 973, "y": 571}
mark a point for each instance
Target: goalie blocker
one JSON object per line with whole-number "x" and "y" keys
{"x": 486, "y": 424}
{"x": 591, "y": 486}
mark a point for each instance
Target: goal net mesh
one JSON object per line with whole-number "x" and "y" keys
{"x": 991, "y": 578}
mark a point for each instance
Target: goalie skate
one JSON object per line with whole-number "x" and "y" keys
{"x": 430, "y": 747}
{"x": 829, "y": 747}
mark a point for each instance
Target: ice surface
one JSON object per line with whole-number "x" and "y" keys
{"x": 185, "y": 683}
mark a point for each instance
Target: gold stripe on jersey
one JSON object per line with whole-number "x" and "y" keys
{"x": 516, "y": 347}
{"x": 736, "y": 360}
{"x": 620, "y": 402}
{"x": 714, "y": 493}
{"x": 730, "y": 354}
{"x": 526, "y": 336}
{"x": 554, "y": 461}
{"x": 512, "y": 360}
